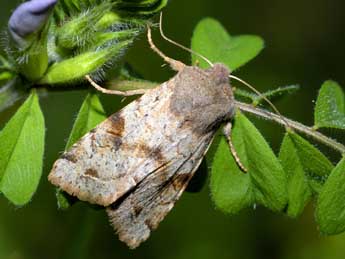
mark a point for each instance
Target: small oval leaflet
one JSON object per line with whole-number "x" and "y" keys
{"x": 330, "y": 211}
{"x": 25, "y": 129}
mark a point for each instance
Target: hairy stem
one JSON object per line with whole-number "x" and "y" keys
{"x": 292, "y": 124}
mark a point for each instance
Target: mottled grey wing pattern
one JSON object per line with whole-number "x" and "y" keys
{"x": 139, "y": 160}
{"x": 139, "y": 212}
{"x": 120, "y": 152}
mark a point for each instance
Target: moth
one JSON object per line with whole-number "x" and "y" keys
{"x": 138, "y": 162}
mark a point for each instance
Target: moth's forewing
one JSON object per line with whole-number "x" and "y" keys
{"x": 120, "y": 152}
{"x": 142, "y": 158}
{"x": 139, "y": 212}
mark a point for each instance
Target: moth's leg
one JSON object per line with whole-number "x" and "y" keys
{"x": 116, "y": 92}
{"x": 227, "y": 134}
{"x": 175, "y": 64}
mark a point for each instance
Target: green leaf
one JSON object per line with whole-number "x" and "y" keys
{"x": 266, "y": 173}
{"x": 231, "y": 189}
{"x": 4, "y": 64}
{"x": 330, "y": 106}
{"x": 90, "y": 114}
{"x": 11, "y": 92}
{"x": 21, "y": 153}
{"x": 244, "y": 95}
{"x": 330, "y": 210}
{"x": 128, "y": 79}
{"x": 272, "y": 95}
{"x": 265, "y": 182}
{"x": 211, "y": 40}
{"x": 275, "y": 94}
{"x": 5, "y": 77}
{"x": 315, "y": 164}
{"x": 299, "y": 191}
{"x": 64, "y": 200}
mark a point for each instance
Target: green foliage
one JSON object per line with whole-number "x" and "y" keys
{"x": 90, "y": 114}
{"x": 6, "y": 72}
{"x": 265, "y": 171}
{"x": 231, "y": 189}
{"x": 86, "y": 35}
{"x": 330, "y": 106}
{"x": 301, "y": 170}
{"x": 94, "y": 34}
{"x": 10, "y": 93}
{"x": 127, "y": 79}
{"x": 265, "y": 182}
{"x": 316, "y": 166}
{"x": 21, "y": 153}
{"x": 75, "y": 68}
{"x": 330, "y": 211}
{"x": 80, "y": 38}
{"x": 35, "y": 59}
{"x": 299, "y": 191}
{"x": 272, "y": 95}
{"x": 212, "y": 41}
{"x": 80, "y": 30}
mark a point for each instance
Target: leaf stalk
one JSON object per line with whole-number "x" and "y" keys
{"x": 309, "y": 131}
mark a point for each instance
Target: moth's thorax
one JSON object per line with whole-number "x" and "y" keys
{"x": 203, "y": 97}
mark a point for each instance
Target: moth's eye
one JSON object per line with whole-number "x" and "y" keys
{"x": 29, "y": 17}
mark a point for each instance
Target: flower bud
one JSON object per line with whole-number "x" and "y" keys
{"x": 78, "y": 31}
{"x": 29, "y": 35}
{"x": 83, "y": 64}
{"x": 29, "y": 18}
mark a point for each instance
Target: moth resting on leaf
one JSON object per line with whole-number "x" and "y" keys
{"x": 138, "y": 162}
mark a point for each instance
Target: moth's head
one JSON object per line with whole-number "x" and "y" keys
{"x": 203, "y": 96}
{"x": 219, "y": 73}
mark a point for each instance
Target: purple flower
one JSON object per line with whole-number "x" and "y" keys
{"x": 29, "y": 17}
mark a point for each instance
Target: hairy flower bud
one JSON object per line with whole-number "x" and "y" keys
{"x": 54, "y": 42}
{"x": 83, "y": 64}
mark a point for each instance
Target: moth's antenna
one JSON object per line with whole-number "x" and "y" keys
{"x": 211, "y": 64}
{"x": 175, "y": 64}
{"x": 115, "y": 92}
{"x": 178, "y": 44}
{"x": 261, "y": 95}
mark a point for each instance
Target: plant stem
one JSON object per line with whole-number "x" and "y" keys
{"x": 292, "y": 124}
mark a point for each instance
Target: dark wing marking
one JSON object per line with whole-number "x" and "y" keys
{"x": 141, "y": 210}
{"x": 120, "y": 152}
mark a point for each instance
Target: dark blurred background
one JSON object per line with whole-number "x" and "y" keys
{"x": 304, "y": 44}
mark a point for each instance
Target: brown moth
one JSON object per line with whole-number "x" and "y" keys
{"x": 138, "y": 162}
